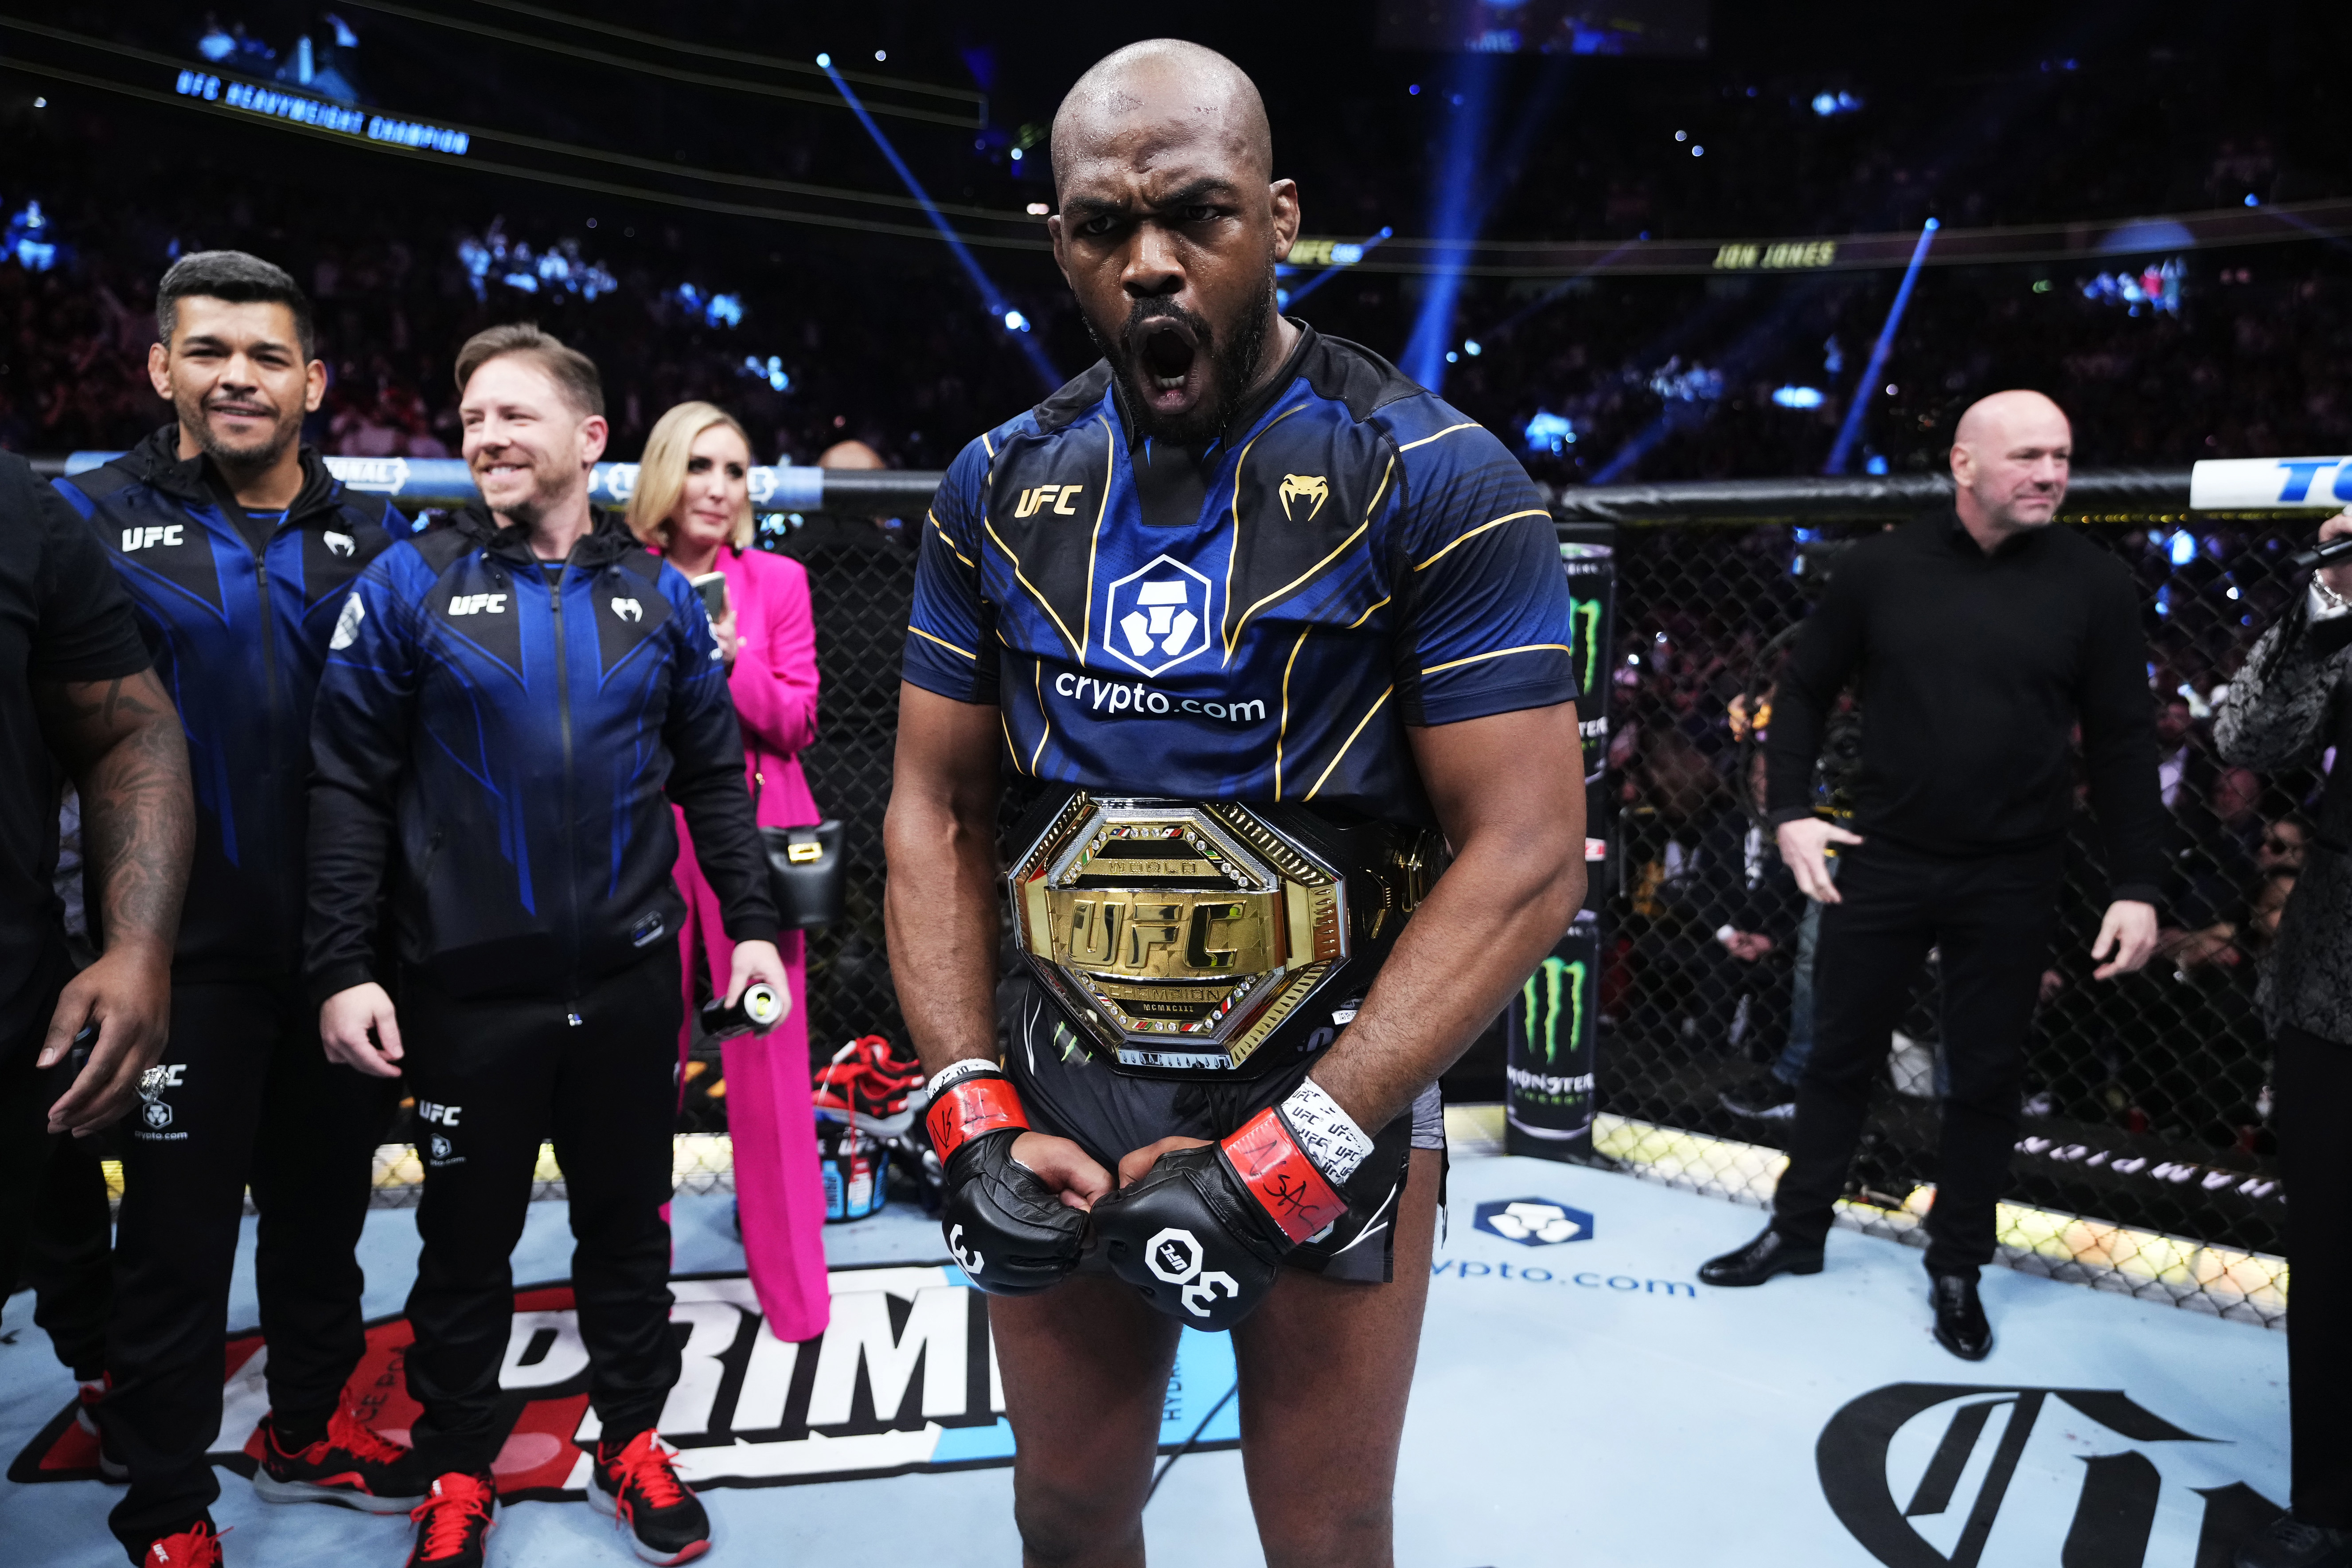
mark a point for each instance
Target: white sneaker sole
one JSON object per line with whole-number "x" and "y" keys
{"x": 608, "y": 1505}
{"x": 269, "y": 1488}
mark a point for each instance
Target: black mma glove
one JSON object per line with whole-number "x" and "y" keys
{"x": 1202, "y": 1235}
{"x": 1007, "y": 1229}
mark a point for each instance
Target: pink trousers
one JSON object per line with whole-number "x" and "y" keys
{"x": 778, "y": 1186}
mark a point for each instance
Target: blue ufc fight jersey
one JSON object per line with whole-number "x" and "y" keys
{"x": 1256, "y": 621}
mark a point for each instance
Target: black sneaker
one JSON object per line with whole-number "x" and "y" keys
{"x": 637, "y": 1484}
{"x": 351, "y": 1465}
{"x": 1765, "y": 1099}
{"x": 453, "y": 1522}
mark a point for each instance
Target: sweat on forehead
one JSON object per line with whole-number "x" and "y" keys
{"x": 1178, "y": 90}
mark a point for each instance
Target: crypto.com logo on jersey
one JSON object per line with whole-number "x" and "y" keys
{"x": 1157, "y": 617}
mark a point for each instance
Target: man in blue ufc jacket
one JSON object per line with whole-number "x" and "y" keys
{"x": 511, "y": 702}
{"x": 238, "y": 550}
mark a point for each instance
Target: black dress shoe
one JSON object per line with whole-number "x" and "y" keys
{"x": 2290, "y": 1543}
{"x": 1960, "y": 1325}
{"x": 1761, "y": 1259}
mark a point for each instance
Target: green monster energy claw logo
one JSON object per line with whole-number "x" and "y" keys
{"x": 1559, "y": 976}
{"x": 1584, "y": 621}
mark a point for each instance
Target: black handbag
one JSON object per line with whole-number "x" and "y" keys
{"x": 804, "y": 871}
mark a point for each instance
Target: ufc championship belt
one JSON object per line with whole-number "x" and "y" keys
{"x": 1185, "y": 936}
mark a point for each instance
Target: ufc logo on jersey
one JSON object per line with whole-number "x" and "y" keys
{"x": 477, "y": 604}
{"x": 167, "y": 534}
{"x": 438, "y": 1115}
{"x": 1062, "y": 498}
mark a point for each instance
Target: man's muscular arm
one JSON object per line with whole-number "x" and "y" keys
{"x": 940, "y": 906}
{"x": 1509, "y": 793}
{"x": 120, "y": 741}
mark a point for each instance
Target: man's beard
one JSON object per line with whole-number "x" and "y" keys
{"x": 1231, "y": 365}
{"x": 234, "y": 459}
{"x": 532, "y": 508}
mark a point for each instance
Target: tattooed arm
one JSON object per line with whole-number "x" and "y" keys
{"x": 120, "y": 741}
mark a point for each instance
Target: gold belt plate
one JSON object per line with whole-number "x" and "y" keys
{"x": 1179, "y": 933}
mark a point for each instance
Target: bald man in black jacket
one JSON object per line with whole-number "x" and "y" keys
{"x": 1982, "y": 636}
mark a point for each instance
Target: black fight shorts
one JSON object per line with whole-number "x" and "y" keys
{"x": 1071, "y": 1092}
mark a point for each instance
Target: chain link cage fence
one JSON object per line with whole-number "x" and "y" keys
{"x": 2147, "y": 1160}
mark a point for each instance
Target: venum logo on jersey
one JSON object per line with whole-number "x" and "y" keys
{"x": 903, "y": 1379}
{"x": 1157, "y": 617}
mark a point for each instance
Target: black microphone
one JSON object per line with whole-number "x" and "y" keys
{"x": 757, "y": 1011}
{"x": 2326, "y": 554}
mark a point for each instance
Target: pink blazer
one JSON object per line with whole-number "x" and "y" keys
{"x": 774, "y": 679}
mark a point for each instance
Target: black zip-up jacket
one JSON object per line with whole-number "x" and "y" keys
{"x": 1975, "y": 670}
{"x": 503, "y": 742}
{"x": 236, "y": 611}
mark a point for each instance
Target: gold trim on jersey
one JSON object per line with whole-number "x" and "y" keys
{"x": 1425, "y": 440}
{"x": 1110, "y": 465}
{"x": 1037, "y": 684}
{"x": 1077, "y": 650}
{"x": 942, "y": 642}
{"x": 1233, "y": 550}
{"x": 1350, "y": 741}
{"x": 1282, "y": 731}
{"x": 1498, "y": 523}
{"x": 1501, "y": 653}
{"x": 1233, "y": 643}
{"x": 950, "y": 543}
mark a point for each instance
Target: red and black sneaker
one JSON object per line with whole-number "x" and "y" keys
{"x": 453, "y": 1522}
{"x": 351, "y": 1465}
{"x": 637, "y": 1484}
{"x": 89, "y": 1415}
{"x": 869, "y": 1085}
{"x": 194, "y": 1547}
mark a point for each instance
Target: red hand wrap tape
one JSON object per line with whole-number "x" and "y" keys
{"x": 1282, "y": 1178}
{"x": 968, "y": 1109}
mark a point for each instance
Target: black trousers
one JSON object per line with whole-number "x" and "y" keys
{"x": 2312, "y": 1078}
{"x": 26, "y": 1092}
{"x": 493, "y": 1078}
{"x": 1992, "y": 919}
{"x": 69, "y": 1257}
{"x": 245, "y": 1096}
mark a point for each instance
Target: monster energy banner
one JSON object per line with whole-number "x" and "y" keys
{"x": 1548, "y": 1049}
{"x": 1588, "y": 552}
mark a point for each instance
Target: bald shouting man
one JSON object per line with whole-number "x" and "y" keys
{"x": 1982, "y": 636}
{"x": 1316, "y": 616}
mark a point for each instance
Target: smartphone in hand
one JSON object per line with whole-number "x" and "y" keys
{"x": 712, "y": 587}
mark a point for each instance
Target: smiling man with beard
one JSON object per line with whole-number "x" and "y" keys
{"x": 238, "y": 548}
{"x": 514, "y": 702}
{"x": 1256, "y": 629}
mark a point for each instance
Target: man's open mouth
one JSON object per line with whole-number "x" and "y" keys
{"x": 1166, "y": 353}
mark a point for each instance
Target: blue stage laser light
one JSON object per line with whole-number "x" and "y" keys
{"x": 1457, "y": 206}
{"x": 1851, "y": 431}
{"x": 990, "y": 300}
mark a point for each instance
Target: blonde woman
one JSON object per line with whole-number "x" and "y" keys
{"x": 693, "y": 506}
